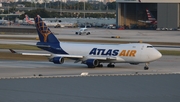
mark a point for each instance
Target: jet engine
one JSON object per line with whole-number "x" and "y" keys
{"x": 92, "y": 63}
{"x": 57, "y": 60}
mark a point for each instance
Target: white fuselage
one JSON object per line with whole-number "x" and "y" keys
{"x": 130, "y": 53}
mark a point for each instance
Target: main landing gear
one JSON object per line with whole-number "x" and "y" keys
{"x": 111, "y": 65}
{"x": 146, "y": 66}
{"x": 100, "y": 65}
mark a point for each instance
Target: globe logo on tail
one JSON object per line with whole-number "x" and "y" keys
{"x": 43, "y": 29}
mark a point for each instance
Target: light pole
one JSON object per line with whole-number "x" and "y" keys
{"x": 61, "y": 8}
{"x": 84, "y": 9}
{"x": 78, "y": 5}
{"x": 100, "y": 5}
{"x": 45, "y": 4}
{"x": 8, "y": 12}
{"x": 31, "y": 4}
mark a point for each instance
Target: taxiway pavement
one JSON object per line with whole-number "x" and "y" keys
{"x": 114, "y": 88}
{"x": 25, "y": 81}
{"x": 14, "y": 68}
{"x": 106, "y": 34}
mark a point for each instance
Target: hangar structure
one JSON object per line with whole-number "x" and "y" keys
{"x": 166, "y": 12}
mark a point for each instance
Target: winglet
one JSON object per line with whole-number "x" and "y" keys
{"x": 12, "y": 51}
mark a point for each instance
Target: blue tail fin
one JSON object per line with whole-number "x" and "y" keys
{"x": 45, "y": 35}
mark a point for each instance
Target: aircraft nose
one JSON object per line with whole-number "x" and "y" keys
{"x": 155, "y": 55}
{"x": 159, "y": 55}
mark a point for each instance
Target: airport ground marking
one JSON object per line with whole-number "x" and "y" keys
{"x": 76, "y": 76}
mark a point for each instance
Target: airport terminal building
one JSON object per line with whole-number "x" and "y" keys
{"x": 166, "y": 12}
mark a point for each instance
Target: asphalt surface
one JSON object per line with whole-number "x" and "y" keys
{"x": 35, "y": 81}
{"x": 137, "y": 88}
{"x": 14, "y": 68}
{"x": 106, "y": 34}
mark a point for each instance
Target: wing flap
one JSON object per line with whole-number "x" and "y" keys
{"x": 67, "y": 56}
{"x": 48, "y": 55}
{"x": 33, "y": 54}
{"x": 102, "y": 58}
{"x": 36, "y": 54}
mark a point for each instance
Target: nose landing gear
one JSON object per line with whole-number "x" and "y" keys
{"x": 100, "y": 65}
{"x": 146, "y": 67}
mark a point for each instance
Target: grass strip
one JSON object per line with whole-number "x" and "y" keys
{"x": 11, "y": 56}
{"x": 97, "y": 41}
{"x": 170, "y": 52}
{"x": 18, "y": 47}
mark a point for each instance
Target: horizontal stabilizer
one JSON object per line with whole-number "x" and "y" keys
{"x": 12, "y": 51}
{"x": 43, "y": 46}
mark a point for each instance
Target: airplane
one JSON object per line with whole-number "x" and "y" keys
{"x": 93, "y": 55}
{"x": 3, "y": 22}
{"x": 27, "y": 19}
{"x": 151, "y": 19}
{"x": 83, "y": 31}
{"x": 31, "y": 22}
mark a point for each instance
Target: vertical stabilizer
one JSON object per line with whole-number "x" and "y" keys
{"x": 28, "y": 20}
{"x": 45, "y": 35}
{"x": 150, "y": 16}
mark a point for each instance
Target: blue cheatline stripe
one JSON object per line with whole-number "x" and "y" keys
{"x": 51, "y": 47}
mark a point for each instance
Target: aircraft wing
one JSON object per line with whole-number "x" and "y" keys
{"x": 102, "y": 58}
{"x": 35, "y": 54}
{"x": 65, "y": 56}
{"x": 144, "y": 21}
{"x": 48, "y": 55}
{"x": 141, "y": 21}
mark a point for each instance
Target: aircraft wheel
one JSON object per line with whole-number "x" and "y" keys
{"x": 88, "y": 33}
{"x": 111, "y": 65}
{"x": 146, "y": 68}
{"x": 100, "y": 65}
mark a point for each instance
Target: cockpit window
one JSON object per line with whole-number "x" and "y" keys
{"x": 149, "y": 46}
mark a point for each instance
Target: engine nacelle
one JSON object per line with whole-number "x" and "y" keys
{"x": 57, "y": 60}
{"x": 92, "y": 63}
